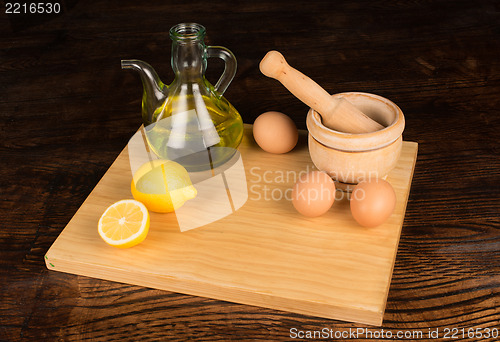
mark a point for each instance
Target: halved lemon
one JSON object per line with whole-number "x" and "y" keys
{"x": 124, "y": 224}
{"x": 162, "y": 185}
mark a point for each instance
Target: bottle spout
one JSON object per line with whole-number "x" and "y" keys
{"x": 155, "y": 91}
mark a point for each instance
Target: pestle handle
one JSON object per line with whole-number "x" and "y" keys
{"x": 338, "y": 114}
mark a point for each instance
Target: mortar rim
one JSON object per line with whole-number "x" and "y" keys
{"x": 357, "y": 141}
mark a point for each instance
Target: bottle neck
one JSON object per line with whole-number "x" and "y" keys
{"x": 189, "y": 60}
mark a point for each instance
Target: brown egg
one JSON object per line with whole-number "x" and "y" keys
{"x": 275, "y": 132}
{"x": 313, "y": 194}
{"x": 372, "y": 202}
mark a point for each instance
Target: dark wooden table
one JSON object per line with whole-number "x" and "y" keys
{"x": 67, "y": 110}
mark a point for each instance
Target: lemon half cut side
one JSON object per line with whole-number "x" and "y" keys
{"x": 162, "y": 185}
{"x": 124, "y": 223}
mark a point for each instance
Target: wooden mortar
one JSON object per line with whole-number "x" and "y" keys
{"x": 350, "y": 158}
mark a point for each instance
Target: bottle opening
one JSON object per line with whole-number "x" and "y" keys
{"x": 187, "y": 31}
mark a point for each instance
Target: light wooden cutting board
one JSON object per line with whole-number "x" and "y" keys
{"x": 264, "y": 254}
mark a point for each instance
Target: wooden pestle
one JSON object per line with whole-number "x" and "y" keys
{"x": 337, "y": 114}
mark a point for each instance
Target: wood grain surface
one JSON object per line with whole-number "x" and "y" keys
{"x": 67, "y": 110}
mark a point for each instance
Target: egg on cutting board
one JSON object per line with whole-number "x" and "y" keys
{"x": 313, "y": 194}
{"x": 372, "y": 202}
{"x": 275, "y": 132}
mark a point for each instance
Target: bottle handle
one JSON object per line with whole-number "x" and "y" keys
{"x": 229, "y": 69}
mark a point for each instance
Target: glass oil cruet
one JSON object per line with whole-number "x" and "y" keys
{"x": 189, "y": 121}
